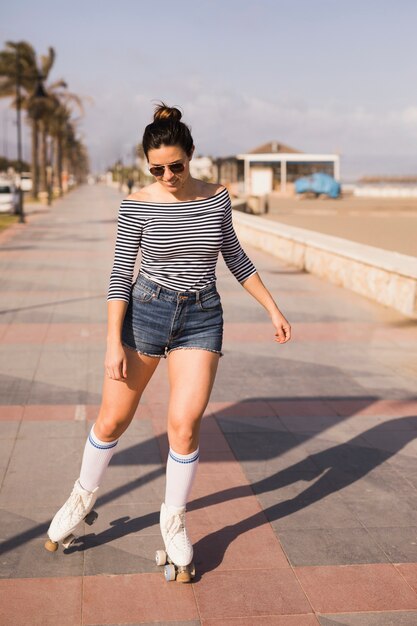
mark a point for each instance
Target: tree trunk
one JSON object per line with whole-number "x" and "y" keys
{"x": 58, "y": 157}
{"x": 42, "y": 159}
{"x": 35, "y": 163}
{"x": 50, "y": 172}
{"x": 65, "y": 174}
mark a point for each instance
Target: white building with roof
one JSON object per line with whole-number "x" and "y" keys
{"x": 273, "y": 165}
{"x": 201, "y": 167}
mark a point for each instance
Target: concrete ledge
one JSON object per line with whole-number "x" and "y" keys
{"x": 388, "y": 277}
{"x": 385, "y": 191}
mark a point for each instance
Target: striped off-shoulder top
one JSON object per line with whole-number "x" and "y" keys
{"x": 180, "y": 244}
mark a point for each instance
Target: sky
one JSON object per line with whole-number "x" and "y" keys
{"x": 333, "y": 76}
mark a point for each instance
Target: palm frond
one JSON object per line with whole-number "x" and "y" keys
{"x": 47, "y": 61}
{"x": 57, "y": 85}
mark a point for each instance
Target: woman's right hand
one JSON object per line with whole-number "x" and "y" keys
{"x": 115, "y": 362}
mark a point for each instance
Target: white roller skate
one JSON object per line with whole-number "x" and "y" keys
{"x": 68, "y": 523}
{"x": 178, "y": 554}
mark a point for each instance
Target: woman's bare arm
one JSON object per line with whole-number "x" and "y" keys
{"x": 115, "y": 361}
{"x": 257, "y": 290}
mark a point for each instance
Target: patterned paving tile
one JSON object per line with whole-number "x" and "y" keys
{"x": 41, "y": 601}
{"x": 265, "y": 592}
{"x": 397, "y": 618}
{"x": 355, "y": 588}
{"x": 145, "y": 597}
{"x": 331, "y": 546}
{"x": 270, "y": 620}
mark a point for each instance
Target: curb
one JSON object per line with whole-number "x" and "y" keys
{"x": 389, "y": 278}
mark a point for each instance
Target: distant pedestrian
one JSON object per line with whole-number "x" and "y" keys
{"x": 130, "y": 184}
{"x": 173, "y": 310}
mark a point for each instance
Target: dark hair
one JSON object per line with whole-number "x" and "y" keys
{"x": 167, "y": 130}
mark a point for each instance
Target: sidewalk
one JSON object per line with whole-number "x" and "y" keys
{"x": 304, "y": 510}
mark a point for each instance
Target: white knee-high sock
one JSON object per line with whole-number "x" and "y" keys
{"x": 97, "y": 455}
{"x": 181, "y": 471}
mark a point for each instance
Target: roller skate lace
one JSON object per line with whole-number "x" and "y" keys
{"x": 75, "y": 508}
{"x": 177, "y": 533}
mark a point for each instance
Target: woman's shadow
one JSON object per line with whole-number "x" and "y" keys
{"x": 331, "y": 470}
{"x": 328, "y": 471}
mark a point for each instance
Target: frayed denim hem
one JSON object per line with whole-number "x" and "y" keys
{"x": 194, "y": 348}
{"x": 157, "y": 356}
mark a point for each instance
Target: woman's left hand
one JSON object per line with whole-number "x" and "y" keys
{"x": 282, "y": 326}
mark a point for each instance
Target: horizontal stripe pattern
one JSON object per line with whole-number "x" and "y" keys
{"x": 193, "y": 459}
{"x": 179, "y": 242}
{"x": 102, "y": 445}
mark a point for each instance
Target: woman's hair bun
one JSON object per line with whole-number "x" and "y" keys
{"x": 167, "y": 130}
{"x": 164, "y": 113}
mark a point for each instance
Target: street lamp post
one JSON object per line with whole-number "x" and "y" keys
{"x": 20, "y": 208}
{"x": 37, "y": 101}
{"x": 39, "y": 95}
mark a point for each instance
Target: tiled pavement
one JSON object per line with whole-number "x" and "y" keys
{"x": 304, "y": 510}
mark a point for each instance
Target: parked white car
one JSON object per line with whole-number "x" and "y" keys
{"x": 8, "y": 197}
{"x": 26, "y": 181}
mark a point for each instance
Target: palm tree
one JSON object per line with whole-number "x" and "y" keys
{"x": 58, "y": 129}
{"x": 58, "y": 121}
{"x": 73, "y": 153}
{"x": 49, "y": 110}
{"x": 50, "y": 104}
{"x": 18, "y": 62}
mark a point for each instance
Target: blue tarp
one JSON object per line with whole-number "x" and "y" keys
{"x": 318, "y": 183}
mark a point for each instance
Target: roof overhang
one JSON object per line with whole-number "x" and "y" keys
{"x": 288, "y": 156}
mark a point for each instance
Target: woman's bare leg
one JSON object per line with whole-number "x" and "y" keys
{"x": 120, "y": 398}
{"x": 191, "y": 377}
{"x": 119, "y": 403}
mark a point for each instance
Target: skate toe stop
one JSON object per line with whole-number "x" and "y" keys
{"x": 184, "y": 576}
{"x": 51, "y": 546}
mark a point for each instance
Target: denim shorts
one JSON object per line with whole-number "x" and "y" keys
{"x": 159, "y": 320}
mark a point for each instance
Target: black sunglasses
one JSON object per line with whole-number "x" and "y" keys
{"x": 159, "y": 170}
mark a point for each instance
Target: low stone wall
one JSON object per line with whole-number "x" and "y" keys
{"x": 387, "y": 277}
{"x": 385, "y": 191}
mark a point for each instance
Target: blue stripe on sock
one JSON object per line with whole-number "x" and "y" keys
{"x": 102, "y": 446}
{"x": 192, "y": 460}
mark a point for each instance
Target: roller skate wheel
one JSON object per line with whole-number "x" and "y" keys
{"x": 170, "y": 573}
{"x": 68, "y": 541}
{"x": 51, "y": 546}
{"x": 160, "y": 557}
{"x": 192, "y": 570}
{"x": 91, "y": 517}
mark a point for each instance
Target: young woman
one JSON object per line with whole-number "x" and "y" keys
{"x": 173, "y": 310}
